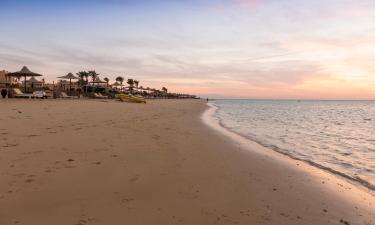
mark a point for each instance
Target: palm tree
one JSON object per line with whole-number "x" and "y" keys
{"x": 82, "y": 76}
{"x": 165, "y": 90}
{"x": 120, "y": 80}
{"x": 106, "y": 80}
{"x": 93, "y": 74}
{"x": 136, "y": 83}
{"x": 131, "y": 84}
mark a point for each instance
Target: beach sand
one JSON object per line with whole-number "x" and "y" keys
{"x": 78, "y": 162}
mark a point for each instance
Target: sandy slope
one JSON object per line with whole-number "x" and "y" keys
{"x": 105, "y": 162}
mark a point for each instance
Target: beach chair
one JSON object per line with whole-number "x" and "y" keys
{"x": 19, "y": 94}
{"x": 64, "y": 95}
{"x": 100, "y": 96}
{"x": 49, "y": 94}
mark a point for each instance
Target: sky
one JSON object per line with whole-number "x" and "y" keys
{"x": 266, "y": 49}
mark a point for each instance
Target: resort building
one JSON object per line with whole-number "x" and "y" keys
{"x": 5, "y": 80}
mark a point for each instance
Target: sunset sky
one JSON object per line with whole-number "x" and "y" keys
{"x": 317, "y": 49}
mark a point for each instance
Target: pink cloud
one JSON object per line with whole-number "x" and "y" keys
{"x": 248, "y": 3}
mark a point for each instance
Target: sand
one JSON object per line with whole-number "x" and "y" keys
{"x": 105, "y": 162}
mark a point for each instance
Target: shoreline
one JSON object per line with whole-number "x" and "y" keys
{"x": 106, "y": 162}
{"x": 208, "y": 117}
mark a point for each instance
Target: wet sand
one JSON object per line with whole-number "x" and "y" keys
{"x": 105, "y": 162}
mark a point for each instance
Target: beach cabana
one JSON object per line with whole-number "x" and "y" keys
{"x": 69, "y": 77}
{"x": 24, "y": 72}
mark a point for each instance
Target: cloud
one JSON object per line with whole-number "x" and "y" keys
{"x": 249, "y": 3}
{"x": 259, "y": 47}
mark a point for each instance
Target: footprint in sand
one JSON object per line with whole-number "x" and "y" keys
{"x": 133, "y": 179}
{"x": 8, "y": 145}
{"x": 126, "y": 200}
{"x": 29, "y": 180}
{"x": 156, "y": 137}
{"x": 81, "y": 222}
{"x": 344, "y": 222}
{"x": 33, "y": 152}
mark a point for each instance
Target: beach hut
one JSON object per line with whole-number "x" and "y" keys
{"x": 69, "y": 77}
{"x": 24, "y": 72}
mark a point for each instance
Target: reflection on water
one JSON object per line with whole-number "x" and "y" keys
{"x": 334, "y": 135}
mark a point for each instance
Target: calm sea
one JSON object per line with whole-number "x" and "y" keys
{"x": 338, "y": 136}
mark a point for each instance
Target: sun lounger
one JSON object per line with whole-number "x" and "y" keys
{"x": 99, "y": 95}
{"x": 64, "y": 95}
{"x": 19, "y": 94}
{"x": 49, "y": 94}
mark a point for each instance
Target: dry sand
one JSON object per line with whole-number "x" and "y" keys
{"x": 105, "y": 162}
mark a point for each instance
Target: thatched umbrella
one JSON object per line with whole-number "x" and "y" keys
{"x": 24, "y": 72}
{"x": 69, "y": 77}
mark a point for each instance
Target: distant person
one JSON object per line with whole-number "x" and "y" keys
{"x": 4, "y": 92}
{"x": 207, "y": 99}
{"x": 79, "y": 90}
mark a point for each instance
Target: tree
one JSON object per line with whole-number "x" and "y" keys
{"x": 131, "y": 84}
{"x": 136, "y": 83}
{"x": 83, "y": 75}
{"x": 120, "y": 80}
{"x": 106, "y": 80}
{"x": 93, "y": 74}
{"x": 164, "y": 90}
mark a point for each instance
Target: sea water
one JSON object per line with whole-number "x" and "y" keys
{"x": 338, "y": 136}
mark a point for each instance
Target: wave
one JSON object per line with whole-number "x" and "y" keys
{"x": 287, "y": 153}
